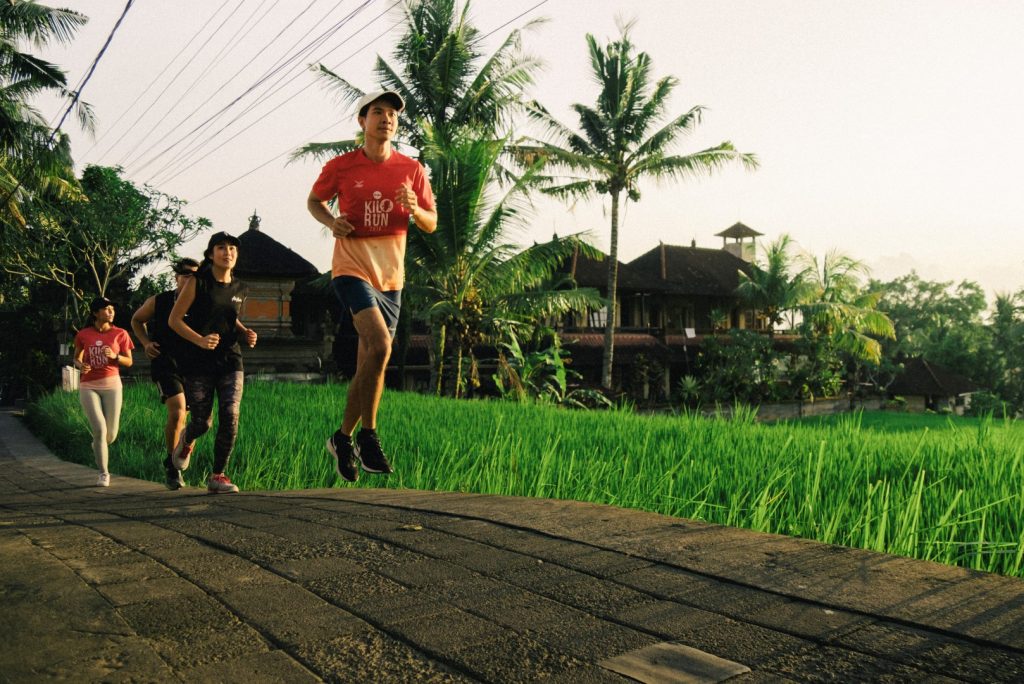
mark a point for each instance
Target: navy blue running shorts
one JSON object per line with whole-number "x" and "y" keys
{"x": 355, "y": 294}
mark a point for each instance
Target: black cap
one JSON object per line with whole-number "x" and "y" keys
{"x": 99, "y": 303}
{"x": 218, "y": 238}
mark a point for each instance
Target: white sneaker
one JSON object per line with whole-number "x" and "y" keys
{"x": 220, "y": 484}
{"x": 182, "y": 453}
{"x": 104, "y": 480}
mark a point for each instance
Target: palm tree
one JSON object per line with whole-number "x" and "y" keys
{"x": 29, "y": 158}
{"x": 776, "y": 285}
{"x": 618, "y": 146}
{"x": 449, "y": 85}
{"x": 840, "y": 311}
{"x": 467, "y": 279}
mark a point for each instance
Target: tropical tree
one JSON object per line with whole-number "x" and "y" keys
{"x": 777, "y": 284}
{"x": 618, "y": 146}
{"x": 840, "y": 311}
{"x": 941, "y": 321}
{"x": 451, "y": 87}
{"x": 468, "y": 280}
{"x": 1007, "y": 335}
{"x": 87, "y": 244}
{"x": 34, "y": 164}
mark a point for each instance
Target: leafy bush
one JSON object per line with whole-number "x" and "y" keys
{"x": 986, "y": 403}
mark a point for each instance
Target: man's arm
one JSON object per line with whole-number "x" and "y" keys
{"x": 338, "y": 226}
{"x": 425, "y": 219}
{"x": 143, "y": 315}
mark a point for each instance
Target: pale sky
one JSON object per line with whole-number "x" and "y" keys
{"x": 887, "y": 130}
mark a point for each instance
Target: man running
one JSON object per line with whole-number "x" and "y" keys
{"x": 162, "y": 345}
{"x": 378, "y": 191}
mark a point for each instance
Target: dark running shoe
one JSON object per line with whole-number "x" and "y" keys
{"x": 370, "y": 454}
{"x": 344, "y": 456}
{"x": 173, "y": 480}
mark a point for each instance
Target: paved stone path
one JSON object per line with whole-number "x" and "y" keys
{"x": 136, "y": 583}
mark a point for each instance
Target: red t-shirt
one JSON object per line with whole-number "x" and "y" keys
{"x": 375, "y": 251}
{"x": 94, "y": 343}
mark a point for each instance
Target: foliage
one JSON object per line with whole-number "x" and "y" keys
{"x": 1007, "y": 349}
{"x": 939, "y": 321}
{"x": 740, "y": 368}
{"x": 620, "y": 143}
{"x": 467, "y": 280}
{"x": 777, "y": 284}
{"x": 988, "y": 404}
{"x": 944, "y": 489}
{"x": 839, "y": 313}
{"x": 87, "y": 246}
{"x": 35, "y": 167}
{"x": 451, "y": 87}
{"x": 541, "y": 375}
{"x": 689, "y": 391}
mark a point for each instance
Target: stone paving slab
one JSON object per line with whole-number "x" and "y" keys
{"x": 136, "y": 583}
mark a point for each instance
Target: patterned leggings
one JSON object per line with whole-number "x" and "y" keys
{"x": 199, "y": 391}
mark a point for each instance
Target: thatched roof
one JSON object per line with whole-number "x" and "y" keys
{"x": 261, "y": 256}
{"x": 924, "y": 378}
{"x": 691, "y": 270}
{"x": 686, "y": 270}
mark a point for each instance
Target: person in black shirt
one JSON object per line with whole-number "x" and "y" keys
{"x": 206, "y": 316}
{"x": 163, "y": 346}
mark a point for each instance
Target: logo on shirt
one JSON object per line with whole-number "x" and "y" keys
{"x": 236, "y": 299}
{"x": 359, "y": 184}
{"x": 377, "y": 211}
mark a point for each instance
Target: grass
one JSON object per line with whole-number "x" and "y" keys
{"x": 930, "y": 487}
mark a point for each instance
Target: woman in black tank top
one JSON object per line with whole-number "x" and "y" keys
{"x": 206, "y": 317}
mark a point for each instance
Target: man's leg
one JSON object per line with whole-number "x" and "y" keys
{"x": 368, "y": 384}
{"x": 176, "y": 413}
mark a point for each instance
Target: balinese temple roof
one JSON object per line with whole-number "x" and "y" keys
{"x": 261, "y": 256}
{"x": 739, "y": 231}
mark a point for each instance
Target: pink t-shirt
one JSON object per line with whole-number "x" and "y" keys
{"x": 375, "y": 251}
{"x": 103, "y": 371}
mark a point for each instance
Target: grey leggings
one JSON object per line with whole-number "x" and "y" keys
{"x": 199, "y": 391}
{"x": 103, "y": 410}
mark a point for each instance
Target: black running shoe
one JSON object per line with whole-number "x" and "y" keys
{"x": 371, "y": 456}
{"x": 173, "y": 479}
{"x": 344, "y": 454}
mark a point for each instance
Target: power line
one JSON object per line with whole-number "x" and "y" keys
{"x": 78, "y": 93}
{"x": 174, "y": 78}
{"x": 278, "y": 156}
{"x": 280, "y": 63}
{"x": 155, "y": 80}
{"x": 180, "y": 169}
{"x": 248, "y": 90}
{"x": 135, "y": 158}
{"x": 254, "y": 170}
{"x": 518, "y": 16}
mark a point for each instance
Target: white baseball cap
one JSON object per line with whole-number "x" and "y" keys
{"x": 390, "y": 95}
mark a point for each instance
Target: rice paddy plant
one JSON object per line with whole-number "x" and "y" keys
{"x": 947, "y": 490}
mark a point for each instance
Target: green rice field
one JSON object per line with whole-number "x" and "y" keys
{"x": 944, "y": 489}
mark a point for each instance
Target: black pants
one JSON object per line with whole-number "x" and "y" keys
{"x": 199, "y": 391}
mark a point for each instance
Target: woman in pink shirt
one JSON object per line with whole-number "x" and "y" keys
{"x": 101, "y": 349}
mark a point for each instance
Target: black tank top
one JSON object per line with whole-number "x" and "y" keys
{"x": 171, "y": 344}
{"x": 215, "y": 310}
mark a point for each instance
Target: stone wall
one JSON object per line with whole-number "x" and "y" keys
{"x": 791, "y": 410}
